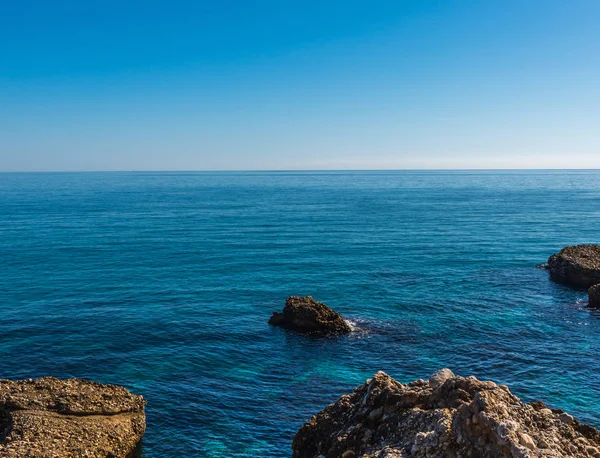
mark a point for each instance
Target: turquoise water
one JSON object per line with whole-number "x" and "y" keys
{"x": 164, "y": 282}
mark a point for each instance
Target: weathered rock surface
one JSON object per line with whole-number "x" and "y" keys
{"x": 594, "y": 294}
{"x": 438, "y": 378}
{"x": 462, "y": 417}
{"x": 49, "y": 417}
{"x": 304, "y": 314}
{"x": 576, "y": 266}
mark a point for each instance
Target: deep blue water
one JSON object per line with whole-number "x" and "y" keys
{"x": 164, "y": 282}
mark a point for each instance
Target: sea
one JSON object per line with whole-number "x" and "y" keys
{"x": 164, "y": 283}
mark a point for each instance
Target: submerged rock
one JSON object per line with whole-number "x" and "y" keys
{"x": 576, "y": 266}
{"x": 461, "y": 417}
{"x": 304, "y": 314}
{"x": 594, "y": 294}
{"x": 49, "y": 417}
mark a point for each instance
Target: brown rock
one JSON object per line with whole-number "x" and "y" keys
{"x": 49, "y": 417}
{"x": 594, "y": 295}
{"x": 304, "y": 314}
{"x": 577, "y": 266}
{"x": 463, "y": 417}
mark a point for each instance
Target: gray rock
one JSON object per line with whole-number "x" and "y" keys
{"x": 566, "y": 418}
{"x": 439, "y": 377}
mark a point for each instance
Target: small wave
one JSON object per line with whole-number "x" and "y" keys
{"x": 357, "y": 326}
{"x": 352, "y": 325}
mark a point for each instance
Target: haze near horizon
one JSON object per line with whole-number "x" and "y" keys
{"x": 271, "y": 85}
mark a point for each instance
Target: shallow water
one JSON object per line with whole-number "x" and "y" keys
{"x": 164, "y": 282}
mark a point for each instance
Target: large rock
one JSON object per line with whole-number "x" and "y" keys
{"x": 49, "y": 417}
{"x": 304, "y": 314}
{"x": 594, "y": 294}
{"x": 576, "y": 266}
{"x": 462, "y": 417}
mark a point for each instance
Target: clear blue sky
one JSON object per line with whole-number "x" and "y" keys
{"x": 276, "y": 84}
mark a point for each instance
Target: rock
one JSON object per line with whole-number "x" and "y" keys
{"x": 462, "y": 417}
{"x": 304, "y": 314}
{"x": 577, "y": 266}
{"x": 527, "y": 441}
{"x": 439, "y": 377}
{"x": 594, "y": 295}
{"x": 49, "y": 417}
{"x": 566, "y": 418}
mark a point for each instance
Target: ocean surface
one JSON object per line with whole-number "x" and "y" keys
{"x": 164, "y": 282}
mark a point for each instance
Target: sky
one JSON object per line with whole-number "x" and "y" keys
{"x": 299, "y": 84}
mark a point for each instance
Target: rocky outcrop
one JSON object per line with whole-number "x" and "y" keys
{"x": 594, "y": 294}
{"x": 49, "y": 417}
{"x": 577, "y": 266}
{"x": 306, "y": 315}
{"x": 448, "y": 416}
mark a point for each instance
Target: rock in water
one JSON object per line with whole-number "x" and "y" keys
{"x": 576, "y": 266}
{"x": 304, "y": 314}
{"x": 462, "y": 417}
{"x": 594, "y": 294}
{"x": 49, "y": 417}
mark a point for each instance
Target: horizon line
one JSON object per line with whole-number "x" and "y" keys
{"x": 300, "y": 170}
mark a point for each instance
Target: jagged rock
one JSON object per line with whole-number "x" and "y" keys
{"x": 49, "y": 417}
{"x": 304, "y": 314}
{"x": 576, "y": 266}
{"x": 594, "y": 294}
{"x": 463, "y": 417}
